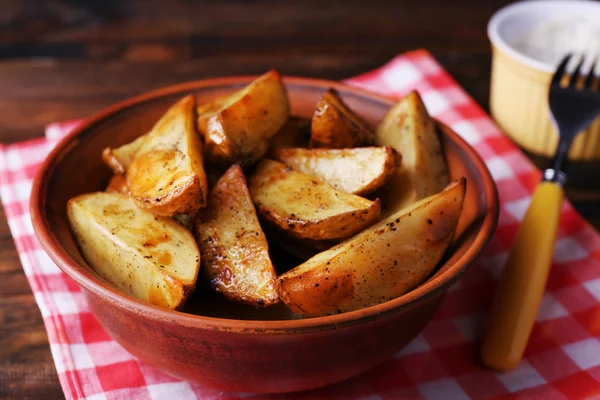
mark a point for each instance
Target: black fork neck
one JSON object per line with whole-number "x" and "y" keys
{"x": 555, "y": 172}
{"x": 559, "y": 162}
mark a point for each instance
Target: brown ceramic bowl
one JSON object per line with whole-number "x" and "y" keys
{"x": 238, "y": 348}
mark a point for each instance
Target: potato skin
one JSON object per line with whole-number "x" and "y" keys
{"x": 305, "y": 208}
{"x": 235, "y": 252}
{"x": 185, "y": 198}
{"x": 410, "y": 130}
{"x": 335, "y": 126}
{"x": 237, "y": 127}
{"x": 153, "y": 259}
{"x": 357, "y": 171}
{"x": 167, "y": 175}
{"x": 120, "y": 158}
{"x": 117, "y": 184}
{"x": 380, "y": 263}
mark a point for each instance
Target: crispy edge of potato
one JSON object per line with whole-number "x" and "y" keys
{"x": 178, "y": 289}
{"x": 186, "y": 198}
{"x": 183, "y": 200}
{"x": 338, "y": 280}
{"x": 117, "y": 184}
{"x": 335, "y": 126}
{"x": 393, "y": 161}
{"x": 237, "y": 127}
{"x": 216, "y": 262}
{"x": 333, "y": 227}
{"x": 424, "y": 170}
{"x": 118, "y": 159}
{"x": 299, "y": 159}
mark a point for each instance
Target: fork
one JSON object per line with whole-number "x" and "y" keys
{"x": 574, "y": 104}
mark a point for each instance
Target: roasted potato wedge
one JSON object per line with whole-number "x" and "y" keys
{"x": 235, "y": 253}
{"x": 379, "y": 264}
{"x": 117, "y": 184}
{"x": 153, "y": 259}
{"x": 237, "y": 127}
{"x": 119, "y": 159}
{"x": 410, "y": 130}
{"x": 295, "y": 133}
{"x": 335, "y": 126}
{"x": 167, "y": 174}
{"x": 358, "y": 171}
{"x": 306, "y": 208}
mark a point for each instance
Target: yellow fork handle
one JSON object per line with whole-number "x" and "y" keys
{"x": 522, "y": 284}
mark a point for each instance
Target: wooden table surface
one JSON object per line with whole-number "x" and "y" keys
{"x": 68, "y": 59}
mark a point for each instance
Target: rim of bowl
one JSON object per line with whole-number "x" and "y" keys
{"x": 528, "y": 7}
{"x": 101, "y": 288}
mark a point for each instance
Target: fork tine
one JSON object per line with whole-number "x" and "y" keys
{"x": 576, "y": 73}
{"x": 589, "y": 80}
{"x": 560, "y": 71}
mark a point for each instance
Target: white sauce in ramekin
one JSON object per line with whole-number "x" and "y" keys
{"x": 549, "y": 41}
{"x": 540, "y": 33}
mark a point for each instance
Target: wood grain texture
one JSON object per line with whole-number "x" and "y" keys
{"x": 64, "y": 59}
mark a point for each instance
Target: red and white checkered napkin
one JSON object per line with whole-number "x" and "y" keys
{"x": 562, "y": 359}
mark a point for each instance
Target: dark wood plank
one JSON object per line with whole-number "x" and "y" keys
{"x": 213, "y": 22}
{"x": 30, "y": 380}
{"x": 26, "y": 366}
{"x": 35, "y": 94}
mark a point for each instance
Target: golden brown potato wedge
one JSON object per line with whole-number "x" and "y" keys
{"x": 153, "y": 259}
{"x": 358, "y": 171}
{"x": 295, "y": 133}
{"x": 117, "y": 184}
{"x": 235, "y": 253}
{"x": 237, "y": 127}
{"x": 306, "y": 208}
{"x": 167, "y": 174}
{"x": 410, "y": 130}
{"x": 379, "y": 264}
{"x": 335, "y": 126}
{"x": 119, "y": 159}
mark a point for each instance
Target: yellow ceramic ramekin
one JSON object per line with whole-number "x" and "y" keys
{"x": 519, "y": 83}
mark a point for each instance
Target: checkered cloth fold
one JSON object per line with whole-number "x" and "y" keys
{"x": 563, "y": 357}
